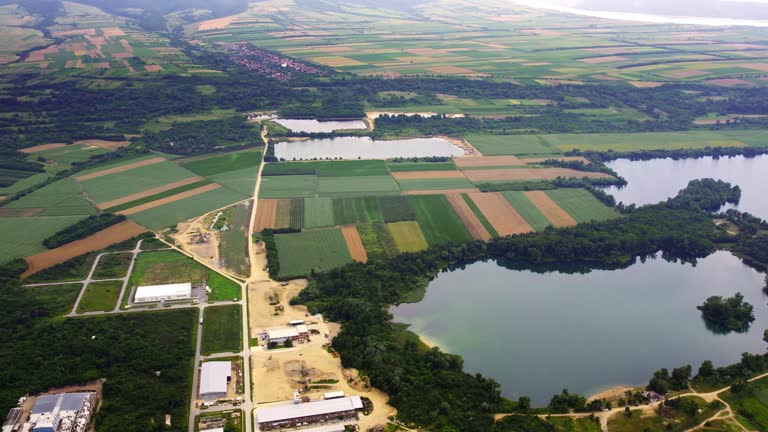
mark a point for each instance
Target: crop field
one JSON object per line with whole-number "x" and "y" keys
{"x": 132, "y": 181}
{"x": 467, "y": 215}
{"x": 328, "y": 168}
{"x": 527, "y": 210}
{"x": 169, "y": 190}
{"x": 368, "y": 185}
{"x": 396, "y": 209}
{"x": 177, "y": 211}
{"x": 221, "y": 164}
{"x": 61, "y": 198}
{"x": 113, "y": 266}
{"x": 242, "y": 181}
{"x": 222, "y": 331}
{"x": 72, "y": 153}
{"x": 318, "y": 212}
{"x": 165, "y": 267}
{"x": 265, "y": 215}
{"x": 582, "y": 205}
{"x": 374, "y": 247}
{"x": 407, "y": 236}
{"x": 436, "y": 184}
{"x": 233, "y": 243}
{"x": 549, "y": 208}
{"x": 500, "y": 213}
{"x": 480, "y": 216}
{"x": 354, "y": 243}
{"x": 100, "y": 296}
{"x": 420, "y": 166}
{"x": 296, "y": 220}
{"x": 23, "y": 236}
{"x": 438, "y": 221}
{"x": 496, "y": 145}
{"x": 318, "y": 250}
{"x": 656, "y": 140}
{"x": 356, "y": 210}
{"x": 283, "y": 213}
{"x": 288, "y": 186}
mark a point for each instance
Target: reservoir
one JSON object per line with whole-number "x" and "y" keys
{"x": 537, "y": 333}
{"x": 656, "y": 180}
{"x": 316, "y": 126}
{"x": 365, "y": 148}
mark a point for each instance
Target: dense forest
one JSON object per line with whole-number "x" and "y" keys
{"x": 204, "y": 136}
{"x": 429, "y": 387}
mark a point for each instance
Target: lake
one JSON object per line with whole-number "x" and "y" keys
{"x": 539, "y": 333}
{"x": 656, "y": 180}
{"x": 317, "y": 126}
{"x": 365, "y": 148}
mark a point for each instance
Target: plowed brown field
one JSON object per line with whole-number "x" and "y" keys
{"x": 467, "y": 216}
{"x": 170, "y": 199}
{"x": 265, "y": 215}
{"x": 42, "y": 147}
{"x": 484, "y": 161}
{"x": 418, "y": 175}
{"x": 354, "y": 243}
{"x": 107, "y": 145}
{"x": 120, "y": 169}
{"x": 109, "y": 236}
{"x": 500, "y": 213}
{"x": 550, "y": 209}
{"x": 149, "y": 192}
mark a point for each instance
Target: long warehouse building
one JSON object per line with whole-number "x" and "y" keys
{"x": 284, "y": 416}
{"x": 214, "y": 380}
{"x": 156, "y": 293}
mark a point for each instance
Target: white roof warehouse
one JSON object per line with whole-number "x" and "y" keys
{"x": 307, "y": 413}
{"x": 214, "y": 378}
{"x": 154, "y": 293}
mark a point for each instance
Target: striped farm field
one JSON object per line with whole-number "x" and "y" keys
{"x": 398, "y": 167}
{"x": 60, "y": 198}
{"x": 390, "y": 248}
{"x": 170, "y": 199}
{"x": 438, "y": 221}
{"x": 527, "y": 210}
{"x": 318, "y": 212}
{"x": 407, "y": 236}
{"x": 211, "y": 166}
{"x": 358, "y": 186}
{"x": 288, "y": 186}
{"x": 419, "y": 175}
{"x": 124, "y": 183}
{"x": 297, "y": 213}
{"x": 655, "y": 140}
{"x": 479, "y": 215}
{"x": 582, "y": 205}
{"x": 436, "y": 184}
{"x": 119, "y": 167}
{"x": 467, "y": 216}
{"x": 359, "y": 168}
{"x": 265, "y": 215}
{"x": 495, "y": 145}
{"x": 548, "y": 208}
{"x": 319, "y": 250}
{"x": 149, "y": 193}
{"x": 23, "y": 236}
{"x": 504, "y": 218}
{"x": 354, "y": 243}
{"x": 283, "y": 213}
{"x": 396, "y": 208}
{"x": 177, "y": 211}
{"x": 487, "y": 161}
{"x": 348, "y": 211}
{"x": 523, "y": 174}
{"x": 373, "y": 245}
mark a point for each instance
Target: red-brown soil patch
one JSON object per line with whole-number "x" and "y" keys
{"x": 354, "y": 243}
{"x": 500, "y": 213}
{"x": 170, "y": 199}
{"x": 440, "y": 192}
{"x": 265, "y": 215}
{"x": 484, "y": 161}
{"x": 418, "y": 175}
{"x": 550, "y": 209}
{"x": 42, "y": 147}
{"x": 107, "y": 145}
{"x": 149, "y": 192}
{"x": 467, "y": 216}
{"x": 114, "y": 234}
{"x": 119, "y": 169}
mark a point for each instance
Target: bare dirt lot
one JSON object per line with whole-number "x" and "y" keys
{"x": 149, "y": 192}
{"x": 170, "y": 199}
{"x": 354, "y": 243}
{"x": 550, "y": 209}
{"x": 467, "y": 216}
{"x": 500, "y": 213}
{"x": 120, "y": 169}
{"x": 100, "y": 240}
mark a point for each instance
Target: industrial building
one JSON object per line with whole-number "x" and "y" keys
{"x": 214, "y": 380}
{"x": 279, "y": 336}
{"x": 157, "y": 293}
{"x": 303, "y": 414}
{"x": 63, "y": 412}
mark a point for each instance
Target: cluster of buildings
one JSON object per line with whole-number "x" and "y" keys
{"x": 63, "y": 412}
{"x": 269, "y": 63}
{"x": 335, "y": 410}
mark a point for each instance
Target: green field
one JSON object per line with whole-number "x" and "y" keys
{"x": 23, "y": 236}
{"x": 221, "y": 164}
{"x": 751, "y": 404}
{"x": 438, "y": 221}
{"x": 177, "y": 211}
{"x": 318, "y": 212}
{"x": 166, "y": 267}
{"x": 655, "y": 140}
{"x": 675, "y": 419}
{"x": 121, "y": 184}
{"x": 348, "y": 211}
{"x": 113, "y": 266}
{"x": 72, "y": 153}
{"x": 396, "y": 208}
{"x": 233, "y": 243}
{"x": 407, "y": 236}
{"x": 328, "y": 168}
{"x": 222, "y": 329}
{"x": 582, "y": 205}
{"x": 318, "y": 250}
{"x": 100, "y": 296}
{"x": 288, "y": 186}
{"x": 59, "y": 299}
{"x": 60, "y": 198}
{"x": 527, "y": 210}
{"x": 242, "y": 181}
{"x": 368, "y": 185}
{"x": 296, "y": 213}
{"x": 496, "y": 145}
{"x": 435, "y": 184}
{"x": 158, "y": 196}
{"x": 421, "y": 166}
{"x": 371, "y": 241}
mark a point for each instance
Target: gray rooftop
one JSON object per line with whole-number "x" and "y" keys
{"x": 294, "y": 411}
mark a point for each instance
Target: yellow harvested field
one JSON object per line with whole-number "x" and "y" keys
{"x": 473, "y": 224}
{"x": 218, "y": 23}
{"x": 407, "y": 236}
{"x": 149, "y": 192}
{"x": 500, "y": 213}
{"x": 170, "y": 199}
{"x": 119, "y": 169}
{"x": 550, "y": 209}
{"x": 487, "y": 161}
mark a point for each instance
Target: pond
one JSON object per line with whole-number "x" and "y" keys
{"x": 656, "y": 180}
{"x": 537, "y": 333}
{"x": 365, "y": 148}
{"x": 317, "y": 126}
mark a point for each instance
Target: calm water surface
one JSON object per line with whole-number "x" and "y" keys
{"x": 658, "y": 179}
{"x": 365, "y": 148}
{"x": 539, "y": 333}
{"x": 316, "y": 126}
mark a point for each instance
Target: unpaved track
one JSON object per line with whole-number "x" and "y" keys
{"x": 467, "y": 216}
{"x": 120, "y": 169}
{"x": 354, "y": 243}
{"x": 550, "y": 209}
{"x": 170, "y": 199}
{"x": 500, "y": 213}
{"x": 149, "y": 192}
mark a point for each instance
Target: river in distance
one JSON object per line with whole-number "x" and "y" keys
{"x": 656, "y": 180}
{"x": 537, "y": 333}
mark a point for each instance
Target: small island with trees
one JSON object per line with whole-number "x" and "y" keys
{"x": 725, "y": 315}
